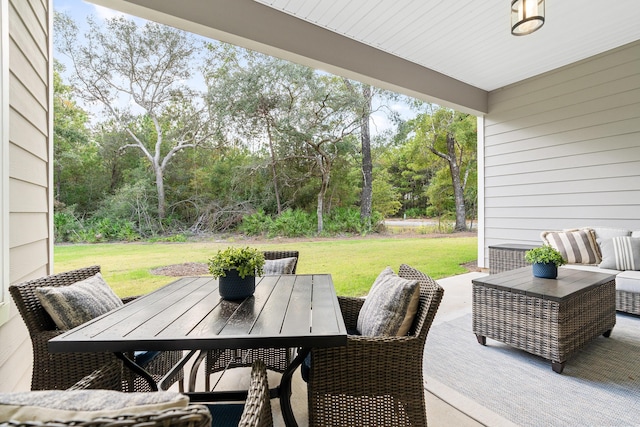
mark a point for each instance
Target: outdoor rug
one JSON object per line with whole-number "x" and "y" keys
{"x": 501, "y": 385}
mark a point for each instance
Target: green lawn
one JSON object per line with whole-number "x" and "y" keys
{"x": 353, "y": 263}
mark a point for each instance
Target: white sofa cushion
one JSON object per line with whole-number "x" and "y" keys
{"x": 593, "y": 268}
{"x": 604, "y": 233}
{"x": 628, "y": 281}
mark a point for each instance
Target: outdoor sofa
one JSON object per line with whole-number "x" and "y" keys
{"x": 600, "y": 249}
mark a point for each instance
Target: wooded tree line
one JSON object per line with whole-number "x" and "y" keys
{"x": 175, "y": 134}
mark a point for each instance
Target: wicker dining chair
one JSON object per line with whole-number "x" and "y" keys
{"x": 275, "y": 359}
{"x": 108, "y": 377}
{"x": 374, "y": 380}
{"x": 63, "y": 370}
{"x": 256, "y": 409}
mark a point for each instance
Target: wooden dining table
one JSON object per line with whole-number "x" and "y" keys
{"x": 286, "y": 311}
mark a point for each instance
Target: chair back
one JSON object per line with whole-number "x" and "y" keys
{"x": 430, "y": 297}
{"x": 257, "y": 408}
{"x": 283, "y": 254}
{"x": 33, "y": 313}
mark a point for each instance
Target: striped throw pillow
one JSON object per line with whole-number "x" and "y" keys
{"x": 621, "y": 253}
{"x": 72, "y": 305}
{"x": 576, "y": 246}
{"x": 279, "y": 266}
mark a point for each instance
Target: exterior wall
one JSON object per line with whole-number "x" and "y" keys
{"x": 562, "y": 150}
{"x": 29, "y": 176}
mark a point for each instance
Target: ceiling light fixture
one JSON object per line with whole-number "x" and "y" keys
{"x": 527, "y": 16}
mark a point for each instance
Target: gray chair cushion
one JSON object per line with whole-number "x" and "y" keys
{"x": 73, "y": 305}
{"x": 279, "y": 266}
{"x": 390, "y": 307}
{"x": 70, "y": 405}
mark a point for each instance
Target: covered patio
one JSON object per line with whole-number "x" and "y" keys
{"x": 558, "y": 113}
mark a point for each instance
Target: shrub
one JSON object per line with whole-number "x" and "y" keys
{"x": 256, "y": 224}
{"x": 66, "y": 227}
{"x": 293, "y": 223}
{"x": 415, "y": 213}
{"x": 344, "y": 220}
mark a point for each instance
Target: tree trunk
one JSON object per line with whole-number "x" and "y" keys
{"x": 367, "y": 166}
{"x": 325, "y": 170}
{"x": 458, "y": 189}
{"x": 274, "y": 171}
{"x": 160, "y": 189}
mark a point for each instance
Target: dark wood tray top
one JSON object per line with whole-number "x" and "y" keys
{"x": 570, "y": 282}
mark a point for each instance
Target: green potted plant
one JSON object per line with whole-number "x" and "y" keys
{"x": 236, "y": 270}
{"x": 545, "y": 261}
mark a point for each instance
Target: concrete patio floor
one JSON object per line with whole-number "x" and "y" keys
{"x": 456, "y": 302}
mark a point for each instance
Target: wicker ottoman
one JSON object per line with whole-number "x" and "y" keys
{"x": 551, "y": 318}
{"x": 507, "y": 256}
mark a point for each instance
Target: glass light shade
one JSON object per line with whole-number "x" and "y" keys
{"x": 526, "y": 16}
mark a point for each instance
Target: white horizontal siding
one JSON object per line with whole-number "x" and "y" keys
{"x": 562, "y": 150}
{"x": 29, "y": 174}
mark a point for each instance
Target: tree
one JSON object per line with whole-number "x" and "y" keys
{"x": 137, "y": 75}
{"x": 363, "y": 108}
{"x": 246, "y": 88}
{"x": 451, "y": 135}
{"x": 76, "y": 166}
{"x": 303, "y": 119}
{"x": 322, "y": 119}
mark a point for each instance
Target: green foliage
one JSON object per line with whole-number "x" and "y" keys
{"x": 544, "y": 254}
{"x": 256, "y": 224}
{"x": 298, "y": 223}
{"x": 385, "y": 197}
{"x": 415, "y": 213}
{"x": 248, "y": 261}
{"x": 132, "y": 204}
{"x": 293, "y": 223}
{"x": 174, "y": 238}
{"x": 66, "y": 227}
{"x": 440, "y": 195}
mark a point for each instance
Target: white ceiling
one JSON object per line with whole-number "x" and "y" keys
{"x": 470, "y": 40}
{"x": 451, "y": 52}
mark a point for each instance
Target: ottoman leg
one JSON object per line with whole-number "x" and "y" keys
{"x": 607, "y": 334}
{"x": 557, "y": 367}
{"x": 481, "y": 339}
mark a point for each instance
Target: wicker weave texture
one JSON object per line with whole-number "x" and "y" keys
{"x": 62, "y": 370}
{"x": 257, "y": 408}
{"x": 374, "y": 380}
{"x": 550, "y": 329}
{"x": 276, "y": 359}
{"x": 628, "y": 302}
{"x": 505, "y": 259}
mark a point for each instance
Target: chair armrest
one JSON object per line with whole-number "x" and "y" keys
{"x": 108, "y": 377}
{"x": 350, "y": 308}
{"x": 358, "y": 368}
